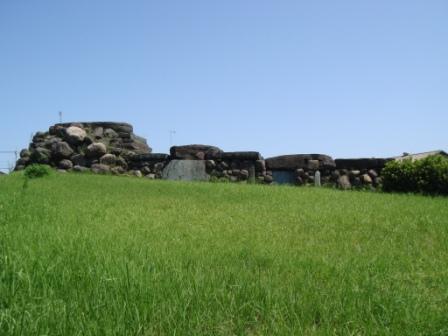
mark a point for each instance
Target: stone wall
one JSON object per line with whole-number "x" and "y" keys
{"x": 110, "y": 147}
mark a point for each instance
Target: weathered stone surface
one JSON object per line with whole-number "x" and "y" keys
{"x": 186, "y": 170}
{"x": 99, "y": 168}
{"x": 149, "y": 157}
{"x": 75, "y": 135}
{"x": 193, "y": 152}
{"x": 80, "y": 169}
{"x": 366, "y": 179}
{"x": 313, "y": 164}
{"x": 294, "y": 161}
{"x": 25, "y": 153}
{"x": 211, "y": 164}
{"x": 136, "y": 173}
{"x": 117, "y": 170}
{"x": 61, "y": 150}
{"x": 360, "y": 164}
{"x": 98, "y": 133}
{"x": 121, "y": 162}
{"x": 159, "y": 166}
{"x": 110, "y": 133}
{"x": 344, "y": 182}
{"x": 354, "y": 173}
{"x": 260, "y": 165}
{"x": 65, "y": 164}
{"x": 137, "y": 147}
{"x": 116, "y": 126}
{"x": 79, "y": 160}
{"x": 372, "y": 173}
{"x": 240, "y": 156}
{"x": 244, "y": 174}
{"x": 96, "y": 150}
{"x": 108, "y": 159}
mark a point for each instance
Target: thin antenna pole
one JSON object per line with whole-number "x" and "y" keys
{"x": 172, "y": 132}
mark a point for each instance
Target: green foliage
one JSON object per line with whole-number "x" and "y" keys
{"x": 105, "y": 255}
{"x": 428, "y": 176}
{"x": 37, "y": 170}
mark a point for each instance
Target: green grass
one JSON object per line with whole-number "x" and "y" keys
{"x": 104, "y": 255}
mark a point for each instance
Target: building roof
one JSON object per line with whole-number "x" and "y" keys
{"x": 419, "y": 156}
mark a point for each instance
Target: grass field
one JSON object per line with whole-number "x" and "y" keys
{"x": 104, "y": 255}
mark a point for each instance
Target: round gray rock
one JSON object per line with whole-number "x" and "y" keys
{"x": 80, "y": 169}
{"x": 61, "y": 150}
{"x": 344, "y": 182}
{"x": 96, "y": 150}
{"x": 75, "y": 134}
{"x": 65, "y": 164}
{"x": 99, "y": 168}
{"x": 108, "y": 159}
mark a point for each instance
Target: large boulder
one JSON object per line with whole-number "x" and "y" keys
{"x": 61, "y": 150}
{"x": 186, "y": 170}
{"x": 65, "y": 164}
{"x": 96, "y": 150}
{"x": 25, "y": 153}
{"x": 99, "y": 168}
{"x": 75, "y": 135}
{"x": 79, "y": 160}
{"x": 40, "y": 155}
{"x": 344, "y": 182}
{"x": 295, "y": 161}
{"x": 193, "y": 152}
{"x": 108, "y": 159}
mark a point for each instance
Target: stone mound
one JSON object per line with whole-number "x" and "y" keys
{"x": 79, "y": 145}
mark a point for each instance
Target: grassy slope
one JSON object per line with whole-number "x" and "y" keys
{"x": 92, "y": 255}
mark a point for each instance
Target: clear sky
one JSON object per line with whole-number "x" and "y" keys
{"x": 348, "y": 78}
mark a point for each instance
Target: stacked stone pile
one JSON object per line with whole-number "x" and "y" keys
{"x": 358, "y": 172}
{"x": 150, "y": 165}
{"x": 236, "y": 166}
{"x": 101, "y": 147}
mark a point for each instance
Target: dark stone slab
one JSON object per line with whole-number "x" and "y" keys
{"x": 295, "y": 161}
{"x": 240, "y": 156}
{"x": 193, "y": 152}
{"x": 360, "y": 164}
{"x": 186, "y": 170}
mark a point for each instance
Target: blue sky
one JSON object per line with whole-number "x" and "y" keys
{"x": 347, "y": 78}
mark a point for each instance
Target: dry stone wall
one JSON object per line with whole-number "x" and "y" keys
{"x": 111, "y": 147}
